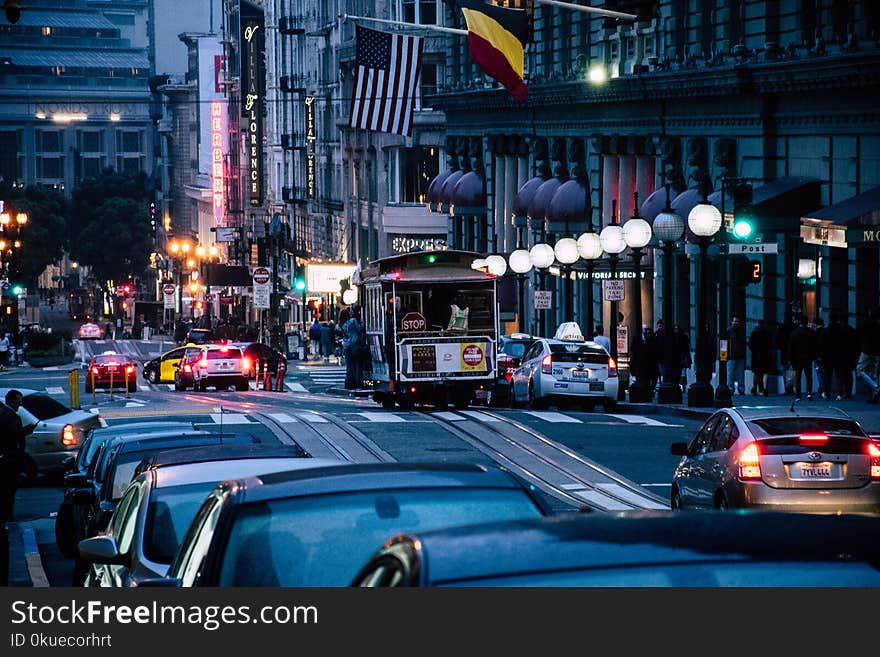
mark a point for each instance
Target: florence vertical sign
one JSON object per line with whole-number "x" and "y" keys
{"x": 253, "y": 87}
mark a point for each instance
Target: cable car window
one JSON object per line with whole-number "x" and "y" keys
{"x": 405, "y": 302}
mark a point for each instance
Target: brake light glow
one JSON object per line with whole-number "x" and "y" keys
{"x": 224, "y": 349}
{"x": 187, "y": 368}
{"x": 68, "y": 436}
{"x": 246, "y": 364}
{"x": 129, "y": 369}
{"x": 750, "y": 462}
{"x": 612, "y": 368}
{"x": 874, "y": 454}
{"x": 204, "y": 363}
{"x": 813, "y": 438}
{"x": 94, "y": 370}
{"x": 547, "y": 364}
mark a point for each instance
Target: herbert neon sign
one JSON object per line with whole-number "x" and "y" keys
{"x": 217, "y": 159}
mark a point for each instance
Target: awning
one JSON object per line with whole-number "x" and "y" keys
{"x": 537, "y": 211}
{"x": 433, "y": 194}
{"x": 684, "y": 202}
{"x": 444, "y": 198}
{"x": 76, "y": 58}
{"x": 524, "y": 198}
{"x": 468, "y": 195}
{"x": 656, "y": 203}
{"x": 569, "y": 209}
{"x": 778, "y": 205}
{"x": 850, "y": 222}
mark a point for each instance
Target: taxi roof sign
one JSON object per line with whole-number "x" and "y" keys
{"x": 569, "y": 331}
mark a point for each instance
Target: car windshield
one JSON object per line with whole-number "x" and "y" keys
{"x": 578, "y": 353}
{"x": 219, "y": 354}
{"x": 105, "y": 359}
{"x": 699, "y": 573}
{"x": 323, "y": 540}
{"x": 516, "y": 349}
{"x": 794, "y": 426}
{"x": 44, "y": 407}
{"x": 169, "y": 514}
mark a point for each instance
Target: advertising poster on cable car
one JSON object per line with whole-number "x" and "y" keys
{"x": 459, "y": 357}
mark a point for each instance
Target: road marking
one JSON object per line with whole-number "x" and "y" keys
{"x": 550, "y": 416}
{"x": 312, "y": 418}
{"x": 133, "y": 405}
{"x": 295, "y": 387}
{"x": 641, "y": 419}
{"x": 630, "y": 496}
{"x": 482, "y": 417}
{"x": 95, "y": 410}
{"x": 601, "y": 500}
{"x": 32, "y": 557}
{"x": 381, "y": 417}
{"x": 169, "y": 386}
{"x": 446, "y": 415}
{"x": 55, "y": 390}
{"x": 283, "y": 418}
{"x": 656, "y": 485}
{"x": 54, "y": 368}
{"x": 230, "y": 418}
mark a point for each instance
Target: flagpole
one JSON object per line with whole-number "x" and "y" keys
{"x": 435, "y": 28}
{"x": 591, "y": 10}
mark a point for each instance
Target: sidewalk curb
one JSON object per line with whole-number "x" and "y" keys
{"x": 19, "y": 570}
{"x": 696, "y": 413}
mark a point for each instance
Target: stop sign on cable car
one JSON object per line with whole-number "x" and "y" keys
{"x": 413, "y": 322}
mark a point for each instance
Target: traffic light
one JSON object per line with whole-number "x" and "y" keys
{"x": 743, "y": 219}
{"x": 299, "y": 282}
{"x": 17, "y": 290}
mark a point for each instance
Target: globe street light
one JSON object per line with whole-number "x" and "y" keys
{"x": 636, "y": 234}
{"x": 704, "y": 221}
{"x": 669, "y": 229}
{"x": 496, "y": 265}
{"x": 611, "y": 239}
{"x": 542, "y": 256}
{"x": 590, "y": 249}
{"x": 521, "y": 264}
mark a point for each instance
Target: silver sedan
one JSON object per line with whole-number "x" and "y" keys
{"x": 776, "y": 458}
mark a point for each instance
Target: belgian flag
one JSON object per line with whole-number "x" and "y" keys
{"x": 497, "y": 37}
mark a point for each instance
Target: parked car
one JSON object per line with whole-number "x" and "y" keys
{"x": 111, "y": 370}
{"x": 776, "y": 458}
{"x": 199, "y": 336}
{"x": 511, "y": 349}
{"x": 316, "y": 527}
{"x": 564, "y": 372}
{"x": 89, "y": 331}
{"x": 58, "y": 432}
{"x": 221, "y": 366}
{"x": 637, "y": 549}
{"x": 183, "y": 376}
{"x": 162, "y": 368}
{"x": 157, "y": 508}
{"x": 262, "y": 355}
{"x": 70, "y": 519}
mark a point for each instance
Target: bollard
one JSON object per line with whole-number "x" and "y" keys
{"x": 94, "y": 393}
{"x": 257, "y": 370}
{"x": 279, "y": 376}
{"x": 267, "y": 378}
{"x": 73, "y": 387}
{"x": 127, "y": 394}
{"x": 111, "y": 385}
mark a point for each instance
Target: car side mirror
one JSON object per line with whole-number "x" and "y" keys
{"x": 83, "y": 496}
{"x": 678, "y": 449}
{"x": 76, "y": 480}
{"x": 101, "y": 549}
{"x": 160, "y": 582}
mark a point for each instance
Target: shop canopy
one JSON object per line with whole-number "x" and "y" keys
{"x": 852, "y": 222}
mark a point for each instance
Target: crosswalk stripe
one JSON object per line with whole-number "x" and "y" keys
{"x": 252, "y": 385}
{"x": 55, "y": 390}
{"x": 550, "y": 416}
{"x": 446, "y": 415}
{"x": 312, "y": 418}
{"x": 295, "y": 387}
{"x": 630, "y": 496}
{"x": 230, "y": 418}
{"x": 641, "y": 419}
{"x": 483, "y": 417}
{"x": 381, "y": 417}
{"x": 601, "y": 500}
{"x": 53, "y": 368}
{"x": 133, "y": 405}
{"x": 283, "y": 418}
{"x": 169, "y": 386}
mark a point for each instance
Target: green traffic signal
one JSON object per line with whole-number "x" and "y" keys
{"x": 742, "y": 228}
{"x": 17, "y": 290}
{"x": 299, "y": 285}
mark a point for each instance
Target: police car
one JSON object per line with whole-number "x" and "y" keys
{"x": 565, "y": 370}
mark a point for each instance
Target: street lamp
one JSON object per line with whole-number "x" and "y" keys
{"x": 496, "y": 265}
{"x": 669, "y": 229}
{"x": 704, "y": 222}
{"x": 566, "y": 252}
{"x": 542, "y": 256}
{"x": 520, "y": 262}
{"x": 611, "y": 239}
{"x": 637, "y": 234}
{"x": 590, "y": 249}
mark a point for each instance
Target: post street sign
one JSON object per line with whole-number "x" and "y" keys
{"x": 612, "y": 290}
{"x": 543, "y": 300}
{"x": 168, "y": 291}
{"x": 262, "y": 287}
{"x": 754, "y": 248}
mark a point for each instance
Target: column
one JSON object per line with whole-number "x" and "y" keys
{"x": 500, "y": 179}
{"x": 510, "y": 189}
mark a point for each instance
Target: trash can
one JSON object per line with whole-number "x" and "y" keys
{"x": 294, "y": 345}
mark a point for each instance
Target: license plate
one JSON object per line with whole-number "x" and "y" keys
{"x": 580, "y": 374}
{"x": 224, "y": 366}
{"x": 599, "y": 386}
{"x": 560, "y": 385}
{"x": 111, "y": 369}
{"x": 481, "y": 394}
{"x": 813, "y": 471}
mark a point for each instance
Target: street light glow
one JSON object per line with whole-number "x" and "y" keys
{"x": 597, "y": 74}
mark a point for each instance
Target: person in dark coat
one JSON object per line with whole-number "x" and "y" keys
{"x": 682, "y": 346}
{"x": 834, "y": 355}
{"x": 801, "y": 353}
{"x": 736, "y": 356}
{"x": 783, "y": 331}
{"x": 327, "y": 331}
{"x": 12, "y": 453}
{"x": 761, "y": 346}
{"x": 868, "y": 367}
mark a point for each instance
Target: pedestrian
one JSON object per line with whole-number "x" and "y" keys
{"x": 108, "y": 331}
{"x": 657, "y": 346}
{"x": 653, "y": 352}
{"x": 315, "y": 339}
{"x": 818, "y": 327}
{"x": 761, "y": 346}
{"x": 601, "y": 339}
{"x": 352, "y": 346}
{"x": 327, "y": 331}
{"x": 783, "y": 331}
{"x": 736, "y": 356}
{"x": 4, "y": 351}
{"x": 834, "y": 357}
{"x": 868, "y": 366}
{"x": 12, "y": 453}
{"x": 682, "y": 346}
{"x": 801, "y": 354}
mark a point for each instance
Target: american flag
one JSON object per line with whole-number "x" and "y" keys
{"x": 385, "y": 82}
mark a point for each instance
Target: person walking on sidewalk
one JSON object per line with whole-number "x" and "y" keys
{"x": 352, "y": 347}
{"x": 761, "y": 346}
{"x": 801, "y": 353}
{"x": 314, "y": 339}
{"x": 818, "y": 327}
{"x": 736, "y": 356}
{"x": 12, "y": 454}
{"x": 833, "y": 355}
{"x": 601, "y": 339}
{"x": 327, "y": 331}
{"x": 4, "y": 351}
{"x": 869, "y": 359}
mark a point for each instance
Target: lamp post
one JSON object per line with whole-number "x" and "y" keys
{"x": 521, "y": 264}
{"x": 542, "y": 256}
{"x": 704, "y": 221}
{"x": 611, "y": 239}
{"x": 589, "y": 248}
{"x": 669, "y": 228}
{"x": 636, "y": 235}
{"x": 566, "y": 252}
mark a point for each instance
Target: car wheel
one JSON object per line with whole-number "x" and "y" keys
{"x": 609, "y": 405}
{"x": 242, "y": 385}
{"x": 132, "y": 387}
{"x": 198, "y": 386}
{"x": 178, "y": 385}
{"x": 533, "y": 403}
{"x": 387, "y": 402}
{"x": 65, "y": 530}
{"x": 675, "y": 501}
{"x": 153, "y": 376}
{"x": 589, "y": 406}
{"x": 461, "y": 401}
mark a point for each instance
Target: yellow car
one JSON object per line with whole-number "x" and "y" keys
{"x": 162, "y": 369}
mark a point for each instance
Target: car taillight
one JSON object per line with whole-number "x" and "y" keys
{"x": 94, "y": 370}
{"x": 750, "y": 462}
{"x": 874, "y": 454}
{"x": 612, "y": 367}
{"x": 68, "y": 436}
{"x": 130, "y": 369}
{"x": 813, "y": 438}
{"x": 246, "y": 364}
{"x": 187, "y": 368}
{"x": 547, "y": 364}
{"x": 203, "y": 363}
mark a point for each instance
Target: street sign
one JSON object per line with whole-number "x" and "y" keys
{"x": 262, "y": 287}
{"x": 543, "y": 300}
{"x": 756, "y": 248}
{"x": 622, "y": 339}
{"x": 413, "y": 322}
{"x": 226, "y": 234}
{"x": 168, "y": 291}
{"x": 612, "y": 290}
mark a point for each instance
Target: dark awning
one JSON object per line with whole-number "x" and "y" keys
{"x": 541, "y": 202}
{"x": 656, "y": 203}
{"x": 684, "y": 202}
{"x": 444, "y": 198}
{"x": 859, "y": 210}
{"x": 432, "y": 196}
{"x": 779, "y": 205}
{"x": 524, "y": 197}
{"x": 569, "y": 209}
{"x": 468, "y": 195}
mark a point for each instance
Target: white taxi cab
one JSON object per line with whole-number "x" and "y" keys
{"x": 565, "y": 370}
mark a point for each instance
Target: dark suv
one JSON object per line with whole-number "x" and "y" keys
{"x": 510, "y": 352}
